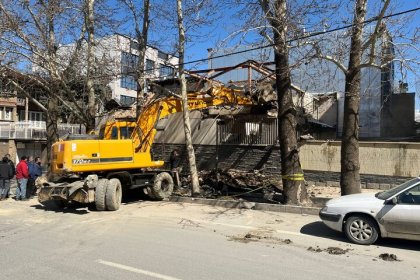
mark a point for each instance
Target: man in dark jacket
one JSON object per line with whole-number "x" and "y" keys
{"x": 12, "y": 164}
{"x": 6, "y": 173}
{"x": 35, "y": 170}
{"x": 22, "y": 175}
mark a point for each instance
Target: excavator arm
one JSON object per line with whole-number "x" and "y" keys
{"x": 145, "y": 131}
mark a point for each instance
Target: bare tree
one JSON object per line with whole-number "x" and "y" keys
{"x": 90, "y": 27}
{"x": 39, "y": 35}
{"x": 294, "y": 188}
{"x": 362, "y": 52}
{"x": 141, "y": 20}
{"x": 186, "y": 114}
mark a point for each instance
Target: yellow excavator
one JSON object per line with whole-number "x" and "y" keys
{"x": 99, "y": 170}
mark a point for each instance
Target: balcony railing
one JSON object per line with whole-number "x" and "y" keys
{"x": 35, "y": 130}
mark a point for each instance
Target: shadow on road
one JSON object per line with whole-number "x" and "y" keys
{"x": 318, "y": 229}
{"x": 73, "y": 209}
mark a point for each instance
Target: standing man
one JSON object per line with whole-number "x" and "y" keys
{"x": 31, "y": 183}
{"x": 34, "y": 172}
{"x": 22, "y": 175}
{"x": 6, "y": 173}
{"x": 12, "y": 164}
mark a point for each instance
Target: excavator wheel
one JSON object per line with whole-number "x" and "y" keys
{"x": 100, "y": 193}
{"x": 113, "y": 195}
{"x": 163, "y": 186}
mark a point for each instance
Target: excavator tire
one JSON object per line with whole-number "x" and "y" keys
{"x": 113, "y": 195}
{"x": 100, "y": 193}
{"x": 163, "y": 186}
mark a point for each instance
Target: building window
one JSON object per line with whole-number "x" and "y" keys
{"x": 134, "y": 45}
{"x": 128, "y": 73}
{"x": 6, "y": 113}
{"x": 128, "y": 82}
{"x": 163, "y": 55}
{"x": 128, "y": 63}
{"x": 127, "y": 100}
{"x": 150, "y": 65}
{"x": 165, "y": 70}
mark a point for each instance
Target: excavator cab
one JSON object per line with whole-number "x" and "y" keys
{"x": 117, "y": 130}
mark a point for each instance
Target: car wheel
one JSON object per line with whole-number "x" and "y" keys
{"x": 361, "y": 230}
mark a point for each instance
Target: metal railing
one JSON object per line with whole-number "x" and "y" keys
{"x": 248, "y": 130}
{"x": 35, "y": 130}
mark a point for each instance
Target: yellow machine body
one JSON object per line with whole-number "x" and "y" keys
{"x": 85, "y": 156}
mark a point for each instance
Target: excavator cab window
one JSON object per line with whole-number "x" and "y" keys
{"x": 102, "y": 133}
{"x": 114, "y": 133}
{"x": 125, "y": 132}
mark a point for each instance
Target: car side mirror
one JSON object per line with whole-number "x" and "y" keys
{"x": 392, "y": 201}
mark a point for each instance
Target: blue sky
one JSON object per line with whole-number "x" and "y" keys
{"x": 223, "y": 22}
{"x": 198, "y": 50}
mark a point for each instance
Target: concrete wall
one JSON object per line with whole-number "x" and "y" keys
{"x": 383, "y": 165}
{"x": 381, "y": 158}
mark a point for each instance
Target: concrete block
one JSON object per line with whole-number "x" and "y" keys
{"x": 310, "y": 183}
{"x": 320, "y": 184}
{"x": 270, "y": 207}
{"x": 333, "y": 184}
{"x": 372, "y": 186}
{"x": 310, "y": 210}
{"x": 293, "y": 209}
{"x": 384, "y": 187}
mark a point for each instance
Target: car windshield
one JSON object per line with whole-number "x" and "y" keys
{"x": 387, "y": 194}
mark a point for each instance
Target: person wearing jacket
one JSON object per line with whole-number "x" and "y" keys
{"x": 6, "y": 173}
{"x": 12, "y": 164}
{"x": 22, "y": 176}
{"x": 35, "y": 170}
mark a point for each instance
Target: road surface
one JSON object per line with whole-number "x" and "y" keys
{"x": 164, "y": 240}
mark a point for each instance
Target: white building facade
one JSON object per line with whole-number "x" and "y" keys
{"x": 123, "y": 52}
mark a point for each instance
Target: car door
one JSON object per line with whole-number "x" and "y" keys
{"x": 403, "y": 218}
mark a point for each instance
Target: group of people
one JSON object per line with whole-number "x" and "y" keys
{"x": 26, "y": 171}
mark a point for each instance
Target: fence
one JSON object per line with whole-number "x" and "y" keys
{"x": 250, "y": 130}
{"x": 35, "y": 130}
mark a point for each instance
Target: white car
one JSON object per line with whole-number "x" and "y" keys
{"x": 364, "y": 217}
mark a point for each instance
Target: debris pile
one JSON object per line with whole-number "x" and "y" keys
{"x": 237, "y": 183}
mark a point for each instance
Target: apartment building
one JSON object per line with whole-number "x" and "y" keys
{"x": 22, "y": 123}
{"x": 122, "y": 53}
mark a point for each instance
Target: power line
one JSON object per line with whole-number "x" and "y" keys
{"x": 293, "y": 39}
{"x": 302, "y": 37}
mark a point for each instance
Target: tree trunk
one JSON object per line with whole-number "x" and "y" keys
{"x": 52, "y": 115}
{"x": 350, "y": 166}
{"x": 185, "y": 111}
{"x": 292, "y": 176}
{"x": 51, "y": 124}
{"x": 142, "y": 38}
{"x": 90, "y": 24}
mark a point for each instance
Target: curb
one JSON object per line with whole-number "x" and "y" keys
{"x": 241, "y": 204}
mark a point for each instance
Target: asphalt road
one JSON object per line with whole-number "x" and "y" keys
{"x": 163, "y": 240}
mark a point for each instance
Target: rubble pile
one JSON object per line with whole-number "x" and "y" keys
{"x": 236, "y": 183}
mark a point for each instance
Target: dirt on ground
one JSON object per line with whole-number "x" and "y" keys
{"x": 389, "y": 257}
{"x": 329, "y": 250}
{"x": 259, "y": 235}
